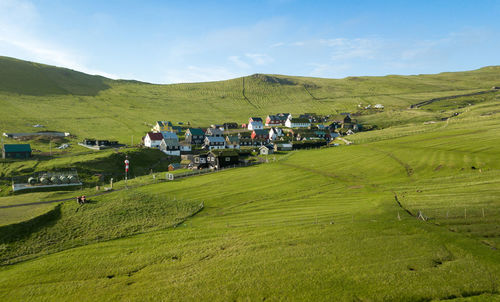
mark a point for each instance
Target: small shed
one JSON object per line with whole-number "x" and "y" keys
{"x": 265, "y": 150}
{"x": 174, "y": 166}
{"x": 20, "y": 151}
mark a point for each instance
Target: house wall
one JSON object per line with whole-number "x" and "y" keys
{"x": 151, "y": 144}
{"x": 20, "y": 155}
{"x": 172, "y": 152}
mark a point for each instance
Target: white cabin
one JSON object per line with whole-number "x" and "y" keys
{"x": 153, "y": 139}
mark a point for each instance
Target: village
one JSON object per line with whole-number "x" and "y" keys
{"x": 229, "y": 144}
{"x": 216, "y": 147}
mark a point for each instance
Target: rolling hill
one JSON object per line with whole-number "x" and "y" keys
{"x": 92, "y": 106}
{"x": 330, "y": 224}
{"x": 410, "y": 212}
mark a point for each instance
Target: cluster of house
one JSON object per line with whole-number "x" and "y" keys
{"x": 99, "y": 144}
{"x": 280, "y": 132}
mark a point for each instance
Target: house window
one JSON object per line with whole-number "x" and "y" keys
{"x": 196, "y": 160}
{"x": 228, "y": 158}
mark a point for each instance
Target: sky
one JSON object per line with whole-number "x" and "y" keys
{"x": 196, "y": 41}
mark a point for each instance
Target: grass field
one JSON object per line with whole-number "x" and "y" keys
{"x": 122, "y": 109}
{"x": 334, "y": 224}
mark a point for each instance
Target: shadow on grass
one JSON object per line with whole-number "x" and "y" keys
{"x": 18, "y": 231}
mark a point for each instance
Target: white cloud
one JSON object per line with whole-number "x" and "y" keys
{"x": 277, "y": 45}
{"x": 19, "y": 21}
{"x": 259, "y": 59}
{"x": 240, "y": 63}
{"x": 344, "y": 49}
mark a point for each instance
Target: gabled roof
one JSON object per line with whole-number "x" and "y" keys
{"x": 155, "y": 136}
{"x": 244, "y": 134}
{"x": 256, "y": 119}
{"x": 215, "y": 139}
{"x": 300, "y": 120}
{"x": 214, "y": 131}
{"x": 233, "y": 139}
{"x": 256, "y": 123}
{"x": 164, "y": 123}
{"x": 169, "y": 135}
{"x": 261, "y": 132}
{"x": 17, "y": 148}
{"x": 170, "y": 142}
{"x": 222, "y": 152}
{"x": 196, "y": 131}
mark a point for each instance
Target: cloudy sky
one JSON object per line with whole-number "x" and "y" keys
{"x": 192, "y": 41}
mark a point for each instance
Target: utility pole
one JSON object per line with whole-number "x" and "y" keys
{"x": 50, "y": 146}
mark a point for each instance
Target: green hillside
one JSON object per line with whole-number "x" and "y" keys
{"x": 125, "y": 109}
{"x": 331, "y": 224}
{"x": 410, "y": 212}
{"x": 22, "y": 77}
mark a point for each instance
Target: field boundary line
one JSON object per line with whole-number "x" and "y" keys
{"x": 428, "y": 102}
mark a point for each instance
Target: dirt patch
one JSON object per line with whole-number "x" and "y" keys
{"x": 356, "y": 187}
{"x": 438, "y": 168}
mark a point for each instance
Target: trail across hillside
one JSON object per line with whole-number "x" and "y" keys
{"x": 423, "y": 103}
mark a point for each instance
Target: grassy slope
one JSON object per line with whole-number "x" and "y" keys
{"x": 126, "y": 108}
{"x": 317, "y": 225}
{"x": 22, "y": 77}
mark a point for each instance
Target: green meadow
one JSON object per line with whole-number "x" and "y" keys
{"x": 331, "y": 224}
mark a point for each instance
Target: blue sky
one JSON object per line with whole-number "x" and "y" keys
{"x": 192, "y": 41}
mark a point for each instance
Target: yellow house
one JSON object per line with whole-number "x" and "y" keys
{"x": 163, "y": 126}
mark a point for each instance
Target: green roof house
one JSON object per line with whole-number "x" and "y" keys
{"x": 21, "y": 151}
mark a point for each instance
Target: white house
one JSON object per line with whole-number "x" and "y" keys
{"x": 214, "y": 142}
{"x": 185, "y": 146}
{"x": 265, "y": 150}
{"x": 275, "y": 133}
{"x": 297, "y": 123}
{"x": 170, "y": 147}
{"x": 153, "y": 139}
{"x": 255, "y": 126}
{"x": 255, "y": 123}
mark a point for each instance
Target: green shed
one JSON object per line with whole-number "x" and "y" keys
{"x": 20, "y": 151}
